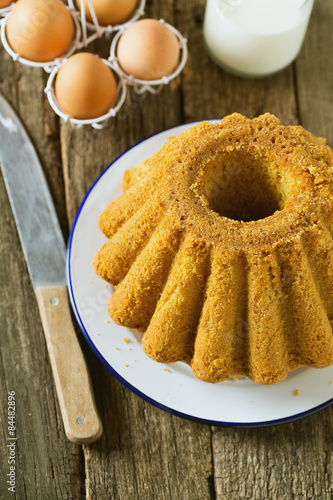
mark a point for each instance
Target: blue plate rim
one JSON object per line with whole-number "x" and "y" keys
{"x": 239, "y": 425}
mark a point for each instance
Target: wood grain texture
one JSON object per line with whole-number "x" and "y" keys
{"x": 292, "y": 461}
{"x": 134, "y": 443}
{"x": 46, "y": 462}
{"x": 48, "y": 465}
{"x": 145, "y": 453}
{"x": 313, "y": 70}
{"x": 210, "y": 92}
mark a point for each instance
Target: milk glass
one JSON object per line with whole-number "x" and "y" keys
{"x": 255, "y": 38}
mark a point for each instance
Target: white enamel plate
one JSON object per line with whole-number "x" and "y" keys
{"x": 172, "y": 387}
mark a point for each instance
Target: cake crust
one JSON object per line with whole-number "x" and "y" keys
{"x": 221, "y": 251}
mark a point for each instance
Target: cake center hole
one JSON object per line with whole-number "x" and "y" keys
{"x": 244, "y": 188}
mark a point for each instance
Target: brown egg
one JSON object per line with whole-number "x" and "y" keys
{"x": 85, "y": 87}
{"x": 110, "y": 11}
{"x": 148, "y": 50}
{"x": 40, "y": 30}
{"x": 5, "y": 3}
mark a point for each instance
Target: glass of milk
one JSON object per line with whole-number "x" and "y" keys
{"x": 255, "y": 38}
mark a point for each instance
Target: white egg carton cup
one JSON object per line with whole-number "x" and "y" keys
{"x": 5, "y": 10}
{"x": 80, "y": 40}
{"x": 96, "y": 123}
{"x": 152, "y": 86}
{"x": 97, "y": 30}
{"x": 47, "y": 66}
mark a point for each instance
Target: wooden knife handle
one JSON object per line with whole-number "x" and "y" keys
{"x": 81, "y": 421}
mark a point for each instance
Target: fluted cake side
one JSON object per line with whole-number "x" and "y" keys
{"x": 220, "y": 249}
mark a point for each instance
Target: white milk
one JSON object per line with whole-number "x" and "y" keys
{"x": 255, "y": 37}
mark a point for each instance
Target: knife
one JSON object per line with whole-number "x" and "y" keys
{"x": 45, "y": 253}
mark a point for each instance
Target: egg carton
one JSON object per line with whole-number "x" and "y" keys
{"x": 97, "y": 30}
{"x": 47, "y": 66}
{"x": 96, "y": 123}
{"x": 152, "y": 86}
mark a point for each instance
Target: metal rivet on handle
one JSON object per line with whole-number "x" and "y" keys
{"x": 54, "y": 301}
{"x": 79, "y": 420}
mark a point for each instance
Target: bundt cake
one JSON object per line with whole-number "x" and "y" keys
{"x": 220, "y": 249}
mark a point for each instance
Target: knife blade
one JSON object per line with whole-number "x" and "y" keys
{"x": 45, "y": 253}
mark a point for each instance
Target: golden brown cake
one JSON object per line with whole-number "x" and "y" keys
{"x": 221, "y": 250}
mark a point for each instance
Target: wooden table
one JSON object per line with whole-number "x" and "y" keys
{"x": 145, "y": 453}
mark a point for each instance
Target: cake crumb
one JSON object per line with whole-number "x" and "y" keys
{"x": 250, "y": 401}
{"x": 97, "y": 334}
{"x": 117, "y": 349}
{"x": 107, "y": 321}
{"x": 126, "y": 340}
{"x": 331, "y": 382}
{"x": 129, "y": 348}
{"x": 126, "y": 365}
{"x": 166, "y": 369}
{"x": 296, "y": 392}
{"x": 134, "y": 360}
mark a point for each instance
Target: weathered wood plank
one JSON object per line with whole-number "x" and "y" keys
{"x": 295, "y": 460}
{"x": 314, "y": 68}
{"x": 144, "y": 452}
{"x": 292, "y": 461}
{"x": 47, "y": 465}
{"x": 210, "y": 92}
